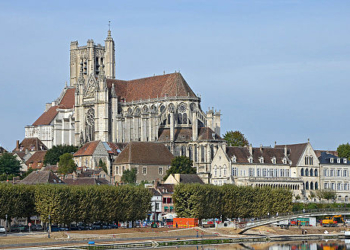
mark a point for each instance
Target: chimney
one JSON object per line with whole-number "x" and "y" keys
{"x": 17, "y": 145}
{"x": 261, "y": 148}
{"x": 285, "y": 150}
{"x": 250, "y": 149}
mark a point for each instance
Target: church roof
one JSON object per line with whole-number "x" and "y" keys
{"x": 169, "y": 85}
{"x": 67, "y": 102}
{"x": 47, "y": 117}
{"x": 150, "y": 153}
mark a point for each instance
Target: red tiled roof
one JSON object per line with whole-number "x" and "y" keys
{"x": 242, "y": 154}
{"x": 151, "y": 153}
{"x": 87, "y": 149}
{"x": 68, "y": 99}
{"x": 170, "y": 85}
{"x": 47, "y": 117}
{"x": 67, "y": 102}
{"x": 36, "y": 160}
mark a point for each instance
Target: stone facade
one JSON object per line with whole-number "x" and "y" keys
{"x": 96, "y": 106}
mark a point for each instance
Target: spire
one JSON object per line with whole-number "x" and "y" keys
{"x": 109, "y": 37}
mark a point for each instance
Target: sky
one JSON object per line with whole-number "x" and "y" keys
{"x": 278, "y": 70}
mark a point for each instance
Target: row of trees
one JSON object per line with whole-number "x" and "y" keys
{"x": 229, "y": 201}
{"x": 67, "y": 204}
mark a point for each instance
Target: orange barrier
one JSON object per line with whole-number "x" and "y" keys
{"x": 185, "y": 222}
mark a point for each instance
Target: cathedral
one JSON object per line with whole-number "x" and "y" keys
{"x": 97, "y": 106}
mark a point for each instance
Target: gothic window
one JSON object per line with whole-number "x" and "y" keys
{"x": 193, "y": 107}
{"x": 202, "y": 154}
{"x": 137, "y": 112}
{"x": 162, "y": 109}
{"x": 145, "y": 109}
{"x": 307, "y": 185}
{"x": 195, "y": 154}
{"x": 153, "y": 109}
{"x": 160, "y": 171}
{"x": 311, "y": 172}
{"x": 171, "y": 108}
{"x": 316, "y": 172}
{"x": 183, "y": 151}
{"x": 179, "y": 120}
{"x": 182, "y": 107}
{"x": 168, "y": 119}
{"x": 306, "y": 172}
{"x": 211, "y": 152}
{"x": 190, "y": 153}
{"x": 215, "y": 171}
{"x": 90, "y": 125}
{"x": 129, "y": 111}
{"x": 316, "y": 185}
{"x": 184, "y": 118}
{"x": 302, "y": 172}
{"x": 311, "y": 185}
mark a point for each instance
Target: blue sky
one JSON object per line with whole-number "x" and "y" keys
{"x": 278, "y": 70}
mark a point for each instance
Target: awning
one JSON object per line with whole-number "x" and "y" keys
{"x": 165, "y": 207}
{"x": 171, "y": 207}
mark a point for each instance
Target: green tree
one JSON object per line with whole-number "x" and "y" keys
{"x": 9, "y": 164}
{"x": 326, "y": 194}
{"x": 235, "y": 138}
{"x": 344, "y": 150}
{"x": 66, "y": 164}
{"x": 129, "y": 176}
{"x": 52, "y": 156}
{"x": 102, "y": 164}
{"x": 180, "y": 165}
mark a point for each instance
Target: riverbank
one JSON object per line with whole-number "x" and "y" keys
{"x": 166, "y": 236}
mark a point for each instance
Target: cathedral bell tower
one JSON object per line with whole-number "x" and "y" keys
{"x": 92, "y": 59}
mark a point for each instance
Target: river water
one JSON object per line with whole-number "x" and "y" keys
{"x": 291, "y": 245}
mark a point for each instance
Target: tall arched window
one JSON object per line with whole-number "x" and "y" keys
{"x": 202, "y": 154}
{"x": 316, "y": 172}
{"x": 179, "y": 118}
{"x": 307, "y": 185}
{"x": 302, "y": 172}
{"x": 316, "y": 185}
{"x": 311, "y": 172}
{"x": 215, "y": 171}
{"x": 183, "y": 151}
{"x": 190, "y": 152}
{"x": 212, "y": 151}
{"x": 184, "y": 118}
{"x": 311, "y": 185}
{"x": 306, "y": 172}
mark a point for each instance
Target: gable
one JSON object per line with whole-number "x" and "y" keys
{"x": 308, "y": 151}
{"x": 220, "y": 158}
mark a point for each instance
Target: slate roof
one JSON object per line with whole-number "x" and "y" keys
{"x": 242, "y": 154}
{"x": 150, "y": 153}
{"x": 41, "y": 177}
{"x": 185, "y": 134}
{"x": 170, "y": 85}
{"x": 36, "y": 160}
{"x": 67, "y": 102}
{"x": 86, "y": 181}
{"x": 295, "y": 151}
{"x": 32, "y": 144}
{"x": 332, "y": 152}
{"x": 190, "y": 178}
{"x": 155, "y": 192}
{"x": 325, "y": 158}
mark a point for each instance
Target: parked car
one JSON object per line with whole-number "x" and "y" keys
{"x": 18, "y": 228}
{"x": 37, "y": 227}
{"x": 95, "y": 226}
{"x": 2, "y": 229}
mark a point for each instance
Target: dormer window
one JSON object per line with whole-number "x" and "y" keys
{"x": 338, "y": 160}
{"x": 261, "y": 160}
{"x": 331, "y": 160}
{"x": 345, "y": 161}
{"x": 250, "y": 159}
{"x": 273, "y": 160}
{"x": 284, "y": 161}
{"x": 234, "y": 159}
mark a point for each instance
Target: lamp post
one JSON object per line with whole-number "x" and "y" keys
{"x": 49, "y": 229}
{"x": 6, "y": 225}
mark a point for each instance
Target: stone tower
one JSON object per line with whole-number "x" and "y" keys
{"x": 92, "y": 59}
